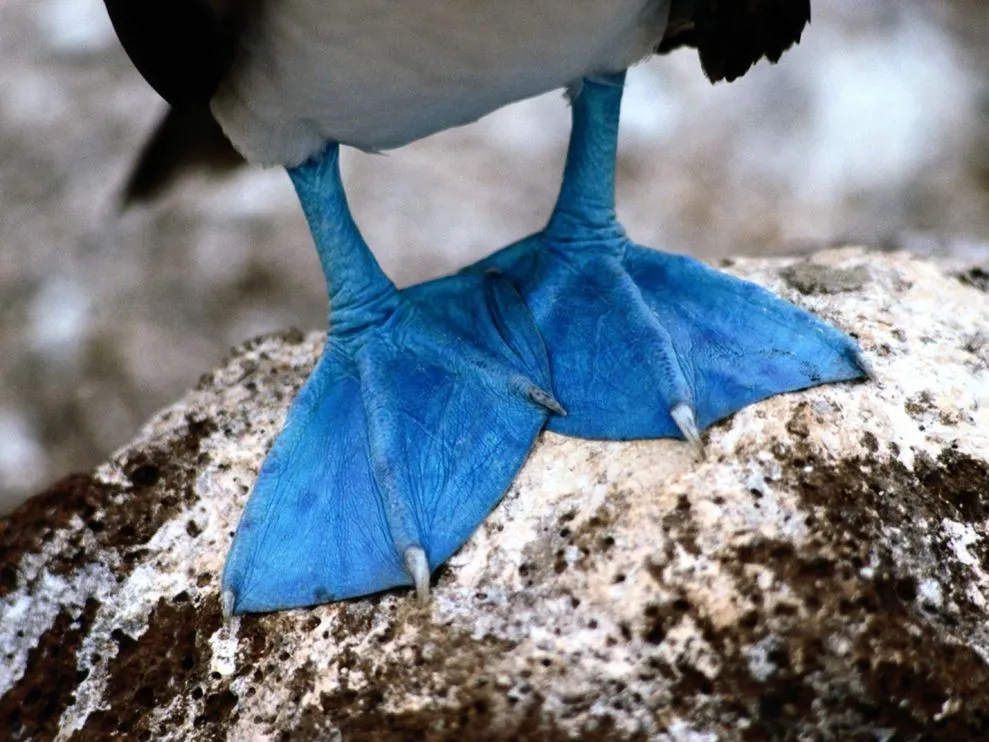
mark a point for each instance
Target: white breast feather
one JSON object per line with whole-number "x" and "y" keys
{"x": 377, "y": 74}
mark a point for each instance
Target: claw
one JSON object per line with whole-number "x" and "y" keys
{"x": 683, "y": 416}
{"x": 545, "y": 399}
{"x": 864, "y": 364}
{"x": 418, "y": 568}
{"x": 227, "y": 601}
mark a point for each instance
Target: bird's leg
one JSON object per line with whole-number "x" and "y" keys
{"x": 642, "y": 343}
{"x": 361, "y": 296}
{"x": 410, "y": 428}
{"x": 585, "y": 207}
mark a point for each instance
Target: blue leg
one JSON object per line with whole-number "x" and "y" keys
{"x": 422, "y": 408}
{"x": 642, "y": 343}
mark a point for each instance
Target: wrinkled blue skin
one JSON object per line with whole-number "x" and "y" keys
{"x": 427, "y": 401}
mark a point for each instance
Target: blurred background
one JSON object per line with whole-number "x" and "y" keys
{"x": 875, "y": 129}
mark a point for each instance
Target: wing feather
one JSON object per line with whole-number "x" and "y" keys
{"x": 183, "y": 48}
{"x": 732, "y": 35}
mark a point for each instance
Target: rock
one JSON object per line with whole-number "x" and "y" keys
{"x": 106, "y": 317}
{"x": 823, "y": 574}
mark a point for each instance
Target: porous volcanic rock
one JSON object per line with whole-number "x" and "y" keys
{"x": 822, "y": 574}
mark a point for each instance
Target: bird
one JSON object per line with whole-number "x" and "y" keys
{"x": 426, "y": 401}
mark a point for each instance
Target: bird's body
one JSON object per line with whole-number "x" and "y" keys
{"x": 285, "y": 76}
{"x": 427, "y": 400}
{"x": 377, "y": 74}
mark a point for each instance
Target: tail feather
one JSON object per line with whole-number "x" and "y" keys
{"x": 187, "y": 137}
{"x": 732, "y": 35}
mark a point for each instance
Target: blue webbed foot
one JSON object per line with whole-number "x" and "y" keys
{"x": 422, "y": 408}
{"x": 645, "y": 344}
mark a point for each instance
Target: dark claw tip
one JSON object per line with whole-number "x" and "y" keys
{"x": 227, "y": 602}
{"x": 545, "y": 399}
{"x": 865, "y": 365}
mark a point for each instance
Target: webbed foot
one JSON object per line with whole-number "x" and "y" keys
{"x": 422, "y": 408}
{"x": 645, "y": 344}
{"x": 642, "y": 343}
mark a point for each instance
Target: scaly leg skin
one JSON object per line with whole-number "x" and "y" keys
{"x": 421, "y": 410}
{"x": 642, "y": 343}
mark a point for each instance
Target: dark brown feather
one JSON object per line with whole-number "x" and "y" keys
{"x": 732, "y": 35}
{"x": 183, "y": 48}
{"x": 187, "y": 137}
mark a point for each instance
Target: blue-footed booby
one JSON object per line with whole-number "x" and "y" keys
{"x": 427, "y": 400}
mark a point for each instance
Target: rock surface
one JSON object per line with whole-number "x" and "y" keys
{"x": 106, "y": 318}
{"x": 823, "y": 574}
